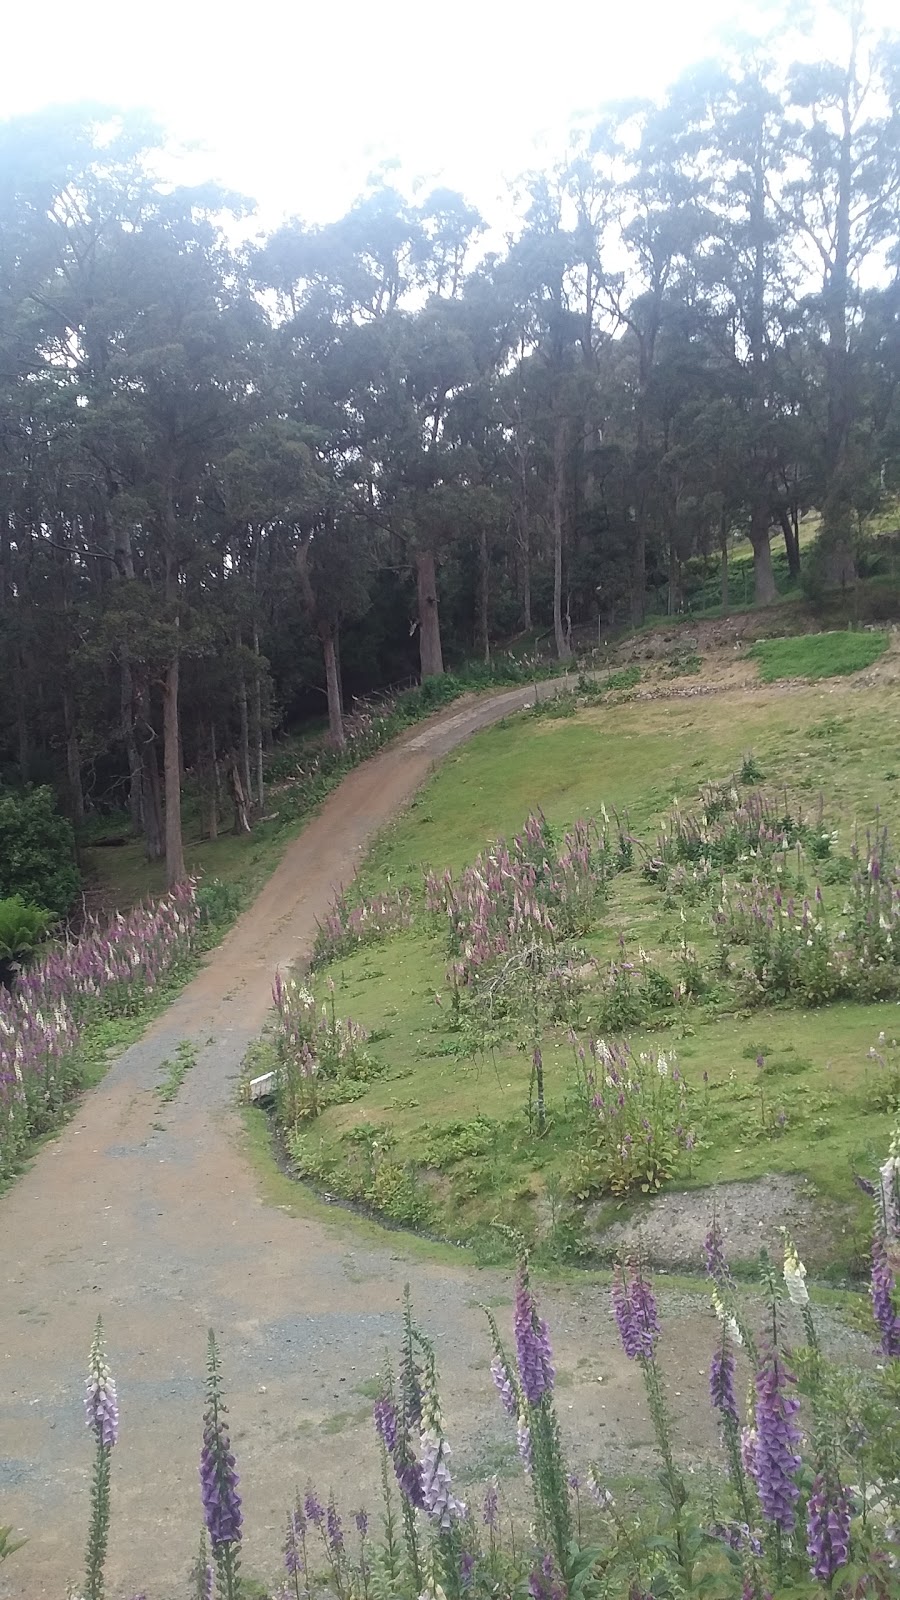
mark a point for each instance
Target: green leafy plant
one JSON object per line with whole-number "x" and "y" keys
{"x": 22, "y": 927}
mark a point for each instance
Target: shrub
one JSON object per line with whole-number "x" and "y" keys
{"x": 218, "y": 903}
{"x": 37, "y": 851}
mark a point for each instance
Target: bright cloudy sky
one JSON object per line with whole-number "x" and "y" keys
{"x": 295, "y": 103}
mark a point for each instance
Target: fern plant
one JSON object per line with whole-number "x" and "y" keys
{"x": 22, "y": 927}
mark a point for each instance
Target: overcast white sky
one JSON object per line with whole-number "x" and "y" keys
{"x": 294, "y": 104}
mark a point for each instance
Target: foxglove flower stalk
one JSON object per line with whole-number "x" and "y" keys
{"x": 334, "y": 1531}
{"x": 523, "y": 1444}
{"x": 406, "y": 1469}
{"x": 748, "y": 1451}
{"x": 883, "y": 1305}
{"x": 536, "y": 1370}
{"x": 102, "y": 1416}
{"x": 827, "y": 1529}
{"x": 504, "y": 1386}
{"x": 794, "y": 1274}
{"x": 219, "y": 1480}
{"x": 725, "y": 1317}
{"x": 634, "y": 1306}
{"x": 721, "y": 1384}
{"x": 313, "y": 1507}
{"x": 777, "y": 1437}
{"x": 889, "y": 1176}
{"x": 100, "y": 1401}
{"x": 438, "y": 1500}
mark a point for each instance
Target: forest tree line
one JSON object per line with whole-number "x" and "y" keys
{"x": 232, "y": 472}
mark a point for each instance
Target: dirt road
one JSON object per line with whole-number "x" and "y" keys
{"x": 151, "y": 1215}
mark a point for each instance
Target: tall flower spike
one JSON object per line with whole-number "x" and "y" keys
{"x": 883, "y": 1306}
{"x": 438, "y": 1500}
{"x": 634, "y": 1307}
{"x": 777, "y": 1437}
{"x": 218, "y": 1478}
{"x": 794, "y": 1273}
{"x": 536, "y": 1370}
{"x": 721, "y": 1383}
{"x": 101, "y": 1405}
{"x": 827, "y": 1530}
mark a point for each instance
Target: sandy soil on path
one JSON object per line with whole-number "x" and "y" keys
{"x": 150, "y": 1214}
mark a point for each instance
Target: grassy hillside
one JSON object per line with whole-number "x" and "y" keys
{"x": 435, "y": 1132}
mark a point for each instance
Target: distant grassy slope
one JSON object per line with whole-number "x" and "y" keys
{"x": 465, "y": 1118}
{"x": 818, "y": 655}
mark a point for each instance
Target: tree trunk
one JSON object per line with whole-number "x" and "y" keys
{"x": 257, "y": 678}
{"x": 151, "y": 799}
{"x": 764, "y": 591}
{"x": 836, "y": 537}
{"x": 245, "y": 720}
{"x": 560, "y": 436}
{"x": 23, "y": 738}
{"x": 176, "y": 871}
{"x": 482, "y": 634}
{"x": 73, "y": 761}
{"x": 239, "y": 799}
{"x": 673, "y": 595}
{"x": 723, "y": 547}
{"x": 639, "y": 569}
{"x": 333, "y": 689}
{"x": 258, "y": 721}
{"x": 126, "y": 704}
{"x": 430, "y": 656}
{"x": 213, "y": 793}
{"x": 791, "y": 542}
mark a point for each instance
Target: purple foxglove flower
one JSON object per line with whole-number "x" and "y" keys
{"x": 635, "y": 1311}
{"x": 827, "y": 1529}
{"x": 882, "y": 1292}
{"x": 362, "y": 1523}
{"x": 536, "y": 1370}
{"x": 293, "y": 1548}
{"x": 334, "y": 1531}
{"x": 721, "y": 1384}
{"x": 490, "y": 1506}
{"x": 777, "y": 1436}
{"x": 523, "y": 1443}
{"x": 714, "y": 1254}
{"x": 101, "y": 1406}
{"x": 386, "y": 1426}
{"x": 466, "y": 1569}
{"x": 543, "y": 1583}
{"x": 218, "y": 1485}
{"x": 313, "y": 1507}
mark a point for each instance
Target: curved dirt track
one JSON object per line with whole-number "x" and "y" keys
{"x": 151, "y": 1215}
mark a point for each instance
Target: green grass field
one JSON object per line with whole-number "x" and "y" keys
{"x": 818, "y": 655}
{"x": 458, "y": 1118}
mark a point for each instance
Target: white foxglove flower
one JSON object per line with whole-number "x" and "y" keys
{"x": 731, "y": 1327}
{"x": 794, "y": 1274}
